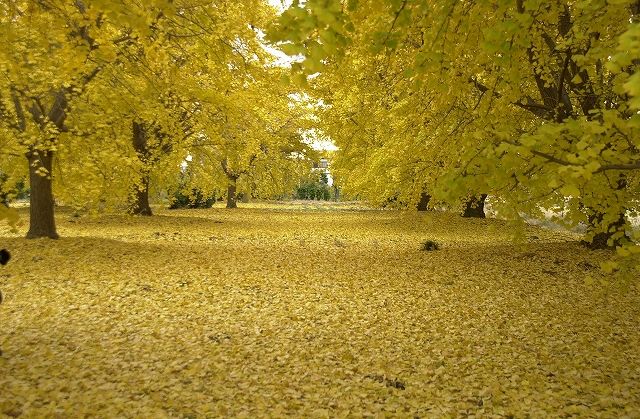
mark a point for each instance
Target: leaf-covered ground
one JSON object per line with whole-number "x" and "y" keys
{"x": 278, "y": 311}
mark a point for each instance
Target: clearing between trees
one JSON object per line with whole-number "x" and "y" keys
{"x": 327, "y": 311}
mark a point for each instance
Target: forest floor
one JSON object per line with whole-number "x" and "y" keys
{"x": 312, "y": 311}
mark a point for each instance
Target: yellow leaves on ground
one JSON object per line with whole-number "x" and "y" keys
{"x": 10, "y": 216}
{"x": 279, "y": 311}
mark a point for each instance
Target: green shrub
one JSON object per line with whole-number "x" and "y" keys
{"x": 9, "y": 192}
{"x": 195, "y": 199}
{"x": 315, "y": 188}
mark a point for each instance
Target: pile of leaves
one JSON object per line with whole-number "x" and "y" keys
{"x": 283, "y": 312}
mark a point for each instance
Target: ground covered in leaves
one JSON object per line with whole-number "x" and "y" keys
{"x": 311, "y": 312}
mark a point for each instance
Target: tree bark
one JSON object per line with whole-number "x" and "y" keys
{"x": 474, "y": 207}
{"x": 140, "y": 204}
{"x": 4, "y": 195}
{"x": 232, "y": 199}
{"x": 231, "y": 195}
{"x": 601, "y": 239}
{"x": 41, "y": 209}
{"x": 423, "y": 204}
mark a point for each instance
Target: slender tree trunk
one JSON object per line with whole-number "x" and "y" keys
{"x": 41, "y": 210}
{"x": 474, "y": 207}
{"x": 423, "y": 204}
{"x": 231, "y": 195}
{"x": 4, "y": 195}
{"x": 140, "y": 205}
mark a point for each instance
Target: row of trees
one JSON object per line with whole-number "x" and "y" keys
{"x": 535, "y": 103}
{"x": 108, "y": 99}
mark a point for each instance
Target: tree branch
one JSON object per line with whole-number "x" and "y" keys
{"x": 22, "y": 122}
{"x": 562, "y": 96}
{"x": 604, "y": 168}
{"x": 531, "y": 105}
{"x": 393, "y": 24}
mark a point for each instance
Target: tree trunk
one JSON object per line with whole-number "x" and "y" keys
{"x": 601, "y": 239}
{"x": 474, "y": 207}
{"x": 41, "y": 210}
{"x": 139, "y": 136}
{"x": 232, "y": 199}
{"x": 231, "y": 195}
{"x": 140, "y": 206}
{"x": 423, "y": 204}
{"x": 4, "y": 195}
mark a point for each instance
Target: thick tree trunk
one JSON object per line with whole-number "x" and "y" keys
{"x": 423, "y": 204}
{"x": 231, "y": 195}
{"x": 41, "y": 210}
{"x": 232, "y": 177}
{"x": 474, "y": 207}
{"x": 601, "y": 239}
{"x": 140, "y": 205}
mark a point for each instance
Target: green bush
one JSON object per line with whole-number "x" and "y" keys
{"x": 195, "y": 199}
{"x": 315, "y": 188}
{"x": 10, "y": 193}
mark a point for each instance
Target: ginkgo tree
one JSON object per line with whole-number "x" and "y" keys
{"x": 35, "y": 89}
{"x": 205, "y": 60}
{"x": 529, "y": 101}
{"x": 112, "y": 84}
{"x": 53, "y": 50}
{"x": 164, "y": 92}
{"x": 257, "y": 145}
